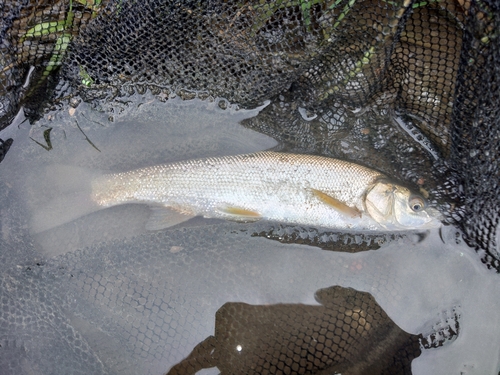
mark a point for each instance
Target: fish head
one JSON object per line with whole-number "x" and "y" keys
{"x": 396, "y": 207}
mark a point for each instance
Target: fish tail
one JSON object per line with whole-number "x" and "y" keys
{"x": 72, "y": 190}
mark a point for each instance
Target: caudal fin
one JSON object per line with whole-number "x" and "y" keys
{"x": 72, "y": 191}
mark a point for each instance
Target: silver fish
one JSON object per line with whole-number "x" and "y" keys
{"x": 290, "y": 188}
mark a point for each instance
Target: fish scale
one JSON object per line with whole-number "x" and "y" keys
{"x": 297, "y": 189}
{"x": 269, "y": 185}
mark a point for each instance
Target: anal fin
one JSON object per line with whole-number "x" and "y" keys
{"x": 163, "y": 217}
{"x": 339, "y": 206}
{"x": 240, "y": 214}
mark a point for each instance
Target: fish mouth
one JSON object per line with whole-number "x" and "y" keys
{"x": 434, "y": 213}
{"x": 435, "y": 216}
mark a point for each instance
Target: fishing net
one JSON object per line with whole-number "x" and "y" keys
{"x": 407, "y": 87}
{"x": 410, "y": 88}
{"x": 142, "y": 305}
{"x": 349, "y": 333}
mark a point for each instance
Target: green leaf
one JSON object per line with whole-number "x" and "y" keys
{"x": 45, "y": 28}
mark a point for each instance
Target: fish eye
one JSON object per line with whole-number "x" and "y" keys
{"x": 417, "y": 203}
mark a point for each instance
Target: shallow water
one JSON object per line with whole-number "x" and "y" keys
{"x": 102, "y": 295}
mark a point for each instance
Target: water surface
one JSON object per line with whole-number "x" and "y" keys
{"x": 102, "y": 295}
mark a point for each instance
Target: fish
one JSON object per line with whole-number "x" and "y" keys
{"x": 296, "y": 189}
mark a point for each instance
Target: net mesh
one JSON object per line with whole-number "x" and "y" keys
{"x": 135, "y": 306}
{"x": 349, "y": 333}
{"x": 411, "y": 82}
{"x": 410, "y": 88}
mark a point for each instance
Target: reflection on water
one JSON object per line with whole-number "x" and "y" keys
{"x": 347, "y": 334}
{"x": 101, "y": 295}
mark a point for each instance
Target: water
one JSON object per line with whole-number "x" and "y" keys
{"x": 102, "y": 295}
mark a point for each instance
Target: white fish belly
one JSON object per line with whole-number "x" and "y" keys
{"x": 276, "y": 186}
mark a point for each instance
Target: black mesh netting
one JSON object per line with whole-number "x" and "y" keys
{"x": 139, "y": 306}
{"x": 348, "y": 334}
{"x": 407, "y": 87}
{"x": 410, "y": 88}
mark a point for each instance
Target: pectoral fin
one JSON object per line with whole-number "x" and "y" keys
{"x": 240, "y": 214}
{"x": 164, "y": 217}
{"x": 344, "y": 209}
